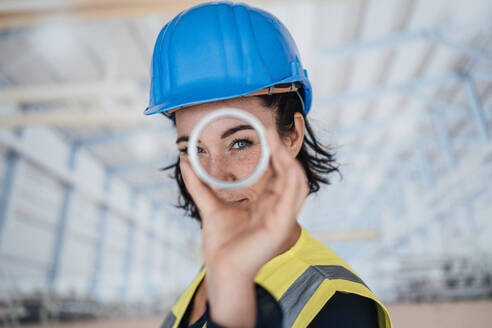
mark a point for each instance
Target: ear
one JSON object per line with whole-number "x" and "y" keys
{"x": 294, "y": 140}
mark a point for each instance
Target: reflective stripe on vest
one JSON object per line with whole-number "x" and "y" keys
{"x": 303, "y": 288}
{"x": 169, "y": 321}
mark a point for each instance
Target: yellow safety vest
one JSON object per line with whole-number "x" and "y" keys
{"x": 302, "y": 280}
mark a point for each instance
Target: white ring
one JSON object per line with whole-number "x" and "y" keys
{"x": 200, "y": 171}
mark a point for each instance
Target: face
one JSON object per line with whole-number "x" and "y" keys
{"x": 228, "y": 148}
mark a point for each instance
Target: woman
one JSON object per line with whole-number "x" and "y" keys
{"x": 262, "y": 268}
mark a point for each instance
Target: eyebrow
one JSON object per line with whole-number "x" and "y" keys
{"x": 227, "y": 133}
{"x": 181, "y": 139}
{"x": 236, "y": 129}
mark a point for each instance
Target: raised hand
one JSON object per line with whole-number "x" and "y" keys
{"x": 238, "y": 241}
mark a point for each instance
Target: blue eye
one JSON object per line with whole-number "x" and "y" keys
{"x": 241, "y": 144}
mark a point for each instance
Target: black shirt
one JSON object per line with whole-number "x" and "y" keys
{"x": 342, "y": 310}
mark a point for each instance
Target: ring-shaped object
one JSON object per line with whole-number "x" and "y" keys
{"x": 220, "y": 184}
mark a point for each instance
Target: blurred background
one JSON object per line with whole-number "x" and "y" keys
{"x": 402, "y": 92}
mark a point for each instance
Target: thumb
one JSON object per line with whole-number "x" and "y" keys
{"x": 202, "y": 195}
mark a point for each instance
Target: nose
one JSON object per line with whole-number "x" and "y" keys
{"x": 220, "y": 167}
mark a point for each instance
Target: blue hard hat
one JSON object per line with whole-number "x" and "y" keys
{"x": 222, "y": 50}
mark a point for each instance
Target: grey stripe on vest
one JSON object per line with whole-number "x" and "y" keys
{"x": 169, "y": 322}
{"x": 301, "y": 291}
{"x": 338, "y": 272}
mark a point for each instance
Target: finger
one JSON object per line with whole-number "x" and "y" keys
{"x": 282, "y": 207}
{"x": 285, "y": 166}
{"x": 291, "y": 189}
{"x": 291, "y": 181}
{"x": 277, "y": 161}
{"x": 202, "y": 195}
{"x": 272, "y": 186}
{"x": 287, "y": 190}
{"x": 278, "y": 152}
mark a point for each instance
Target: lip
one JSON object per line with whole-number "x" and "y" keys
{"x": 237, "y": 201}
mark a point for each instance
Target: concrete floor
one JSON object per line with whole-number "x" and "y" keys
{"x": 127, "y": 323}
{"x": 449, "y": 315}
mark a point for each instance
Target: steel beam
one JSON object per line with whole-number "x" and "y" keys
{"x": 4, "y": 82}
{"x": 444, "y": 139}
{"x": 59, "y": 236}
{"x": 121, "y": 136}
{"x": 72, "y": 160}
{"x": 481, "y": 75}
{"x": 465, "y": 50}
{"x": 101, "y": 241}
{"x": 96, "y": 275}
{"x": 383, "y": 90}
{"x": 67, "y": 92}
{"x": 132, "y": 167}
{"x": 153, "y": 187}
{"x": 134, "y": 198}
{"x": 441, "y": 105}
{"x": 9, "y": 173}
{"x": 355, "y": 47}
{"x": 386, "y": 159}
{"x": 98, "y": 117}
{"x": 397, "y": 39}
{"x": 62, "y": 221}
{"x": 129, "y": 248}
{"x": 128, "y": 259}
{"x": 436, "y": 205}
{"x": 149, "y": 258}
{"x": 108, "y": 178}
{"x": 477, "y": 109}
{"x": 26, "y": 13}
{"x": 14, "y": 143}
{"x": 424, "y": 165}
{"x": 75, "y": 118}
